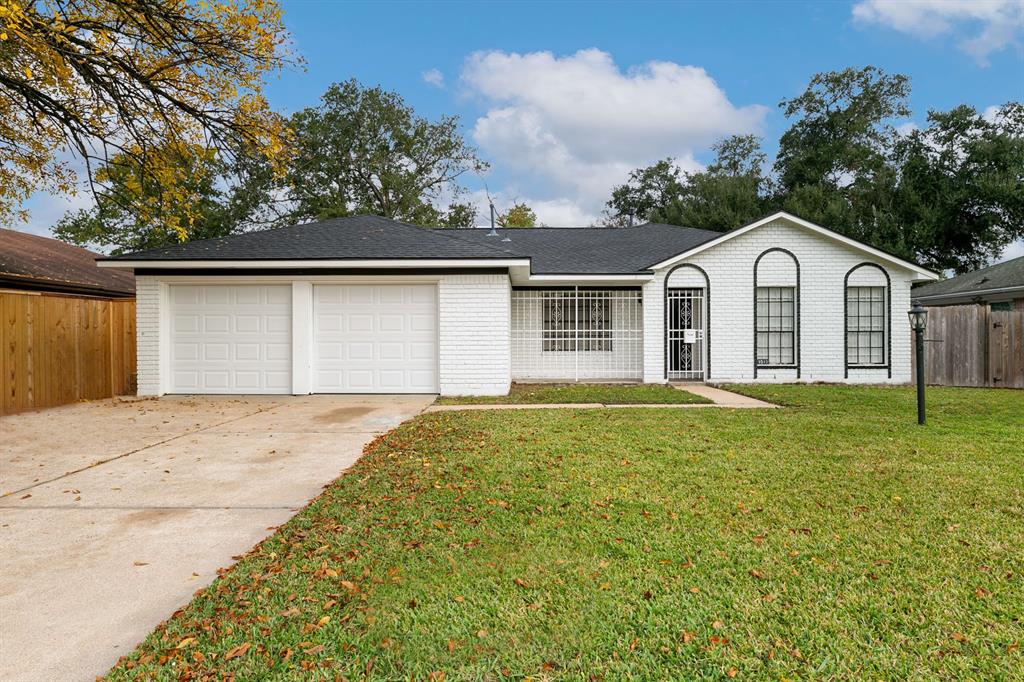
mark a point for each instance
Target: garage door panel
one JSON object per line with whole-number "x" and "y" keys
{"x": 230, "y": 339}
{"x": 375, "y": 338}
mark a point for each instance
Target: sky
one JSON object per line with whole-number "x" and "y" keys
{"x": 564, "y": 99}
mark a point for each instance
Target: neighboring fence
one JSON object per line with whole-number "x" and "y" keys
{"x": 970, "y": 345}
{"x": 56, "y": 349}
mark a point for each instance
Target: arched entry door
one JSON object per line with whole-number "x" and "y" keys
{"x": 686, "y": 315}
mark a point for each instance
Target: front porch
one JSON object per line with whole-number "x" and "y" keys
{"x": 603, "y": 335}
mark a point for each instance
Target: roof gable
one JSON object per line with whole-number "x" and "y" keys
{"x": 923, "y": 273}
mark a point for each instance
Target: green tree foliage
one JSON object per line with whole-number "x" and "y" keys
{"x": 134, "y": 212}
{"x": 950, "y": 196}
{"x": 732, "y": 190}
{"x": 960, "y": 197}
{"x": 648, "y": 190}
{"x": 364, "y": 150}
{"x": 520, "y": 215}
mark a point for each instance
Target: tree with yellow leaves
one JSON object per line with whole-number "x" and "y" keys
{"x": 140, "y": 82}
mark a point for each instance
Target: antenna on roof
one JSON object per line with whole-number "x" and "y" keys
{"x": 493, "y": 232}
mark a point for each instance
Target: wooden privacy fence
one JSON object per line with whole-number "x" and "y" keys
{"x": 56, "y": 349}
{"x": 970, "y": 345}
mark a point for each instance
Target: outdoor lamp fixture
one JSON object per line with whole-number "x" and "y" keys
{"x": 918, "y": 321}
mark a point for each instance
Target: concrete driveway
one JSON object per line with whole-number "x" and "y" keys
{"x": 113, "y": 513}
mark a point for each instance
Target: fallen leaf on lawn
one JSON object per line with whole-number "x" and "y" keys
{"x": 1012, "y": 647}
{"x": 314, "y": 650}
{"x": 648, "y": 595}
{"x": 328, "y": 604}
{"x": 605, "y": 586}
{"x": 481, "y": 633}
{"x": 717, "y": 625}
{"x": 459, "y": 598}
{"x": 324, "y": 620}
{"x": 185, "y": 642}
{"x": 981, "y": 593}
{"x": 758, "y": 539}
{"x": 959, "y": 637}
{"x": 451, "y": 645}
{"x": 237, "y": 651}
{"x": 520, "y": 582}
{"x": 348, "y": 585}
{"x": 754, "y": 573}
{"x": 198, "y": 657}
{"x": 694, "y": 590}
{"x": 687, "y": 637}
{"x": 732, "y": 672}
{"x": 293, "y": 611}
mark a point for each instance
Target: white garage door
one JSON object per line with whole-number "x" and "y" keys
{"x": 231, "y": 339}
{"x": 374, "y": 338}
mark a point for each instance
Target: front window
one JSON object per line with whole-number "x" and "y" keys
{"x": 577, "y": 322}
{"x": 776, "y": 327}
{"x": 865, "y": 326}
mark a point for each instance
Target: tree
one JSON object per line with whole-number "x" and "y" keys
{"x": 218, "y": 200}
{"x": 139, "y": 82}
{"x": 732, "y": 191}
{"x": 364, "y": 150}
{"x": 520, "y": 215}
{"x": 647, "y": 189}
{"x": 960, "y": 197}
{"x": 459, "y": 215}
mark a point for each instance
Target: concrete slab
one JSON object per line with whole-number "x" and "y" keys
{"x": 723, "y": 398}
{"x": 125, "y": 509}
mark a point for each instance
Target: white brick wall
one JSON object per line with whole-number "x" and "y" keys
{"x": 147, "y": 334}
{"x": 823, "y": 267}
{"x": 475, "y": 334}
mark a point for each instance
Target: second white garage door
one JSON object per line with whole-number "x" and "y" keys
{"x": 375, "y": 338}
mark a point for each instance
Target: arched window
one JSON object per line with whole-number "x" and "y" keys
{"x": 868, "y": 303}
{"x": 776, "y": 311}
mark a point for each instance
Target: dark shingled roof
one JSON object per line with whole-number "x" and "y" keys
{"x": 594, "y": 250}
{"x": 1001, "y": 276}
{"x": 551, "y": 250}
{"x": 28, "y": 261}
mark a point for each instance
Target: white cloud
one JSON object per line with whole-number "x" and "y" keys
{"x": 572, "y": 127}
{"x": 1014, "y": 250}
{"x": 434, "y": 77}
{"x": 557, "y": 212}
{"x": 981, "y": 26}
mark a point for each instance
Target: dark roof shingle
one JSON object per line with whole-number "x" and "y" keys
{"x": 551, "y": 250}
{"x": 32, "y": 261}
{"x": 999, "y": 276}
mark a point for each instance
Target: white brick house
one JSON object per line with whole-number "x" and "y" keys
{"x": 366, "y": 304}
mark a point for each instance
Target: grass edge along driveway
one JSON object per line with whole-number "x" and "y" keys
{"x": 836, "y": 539}
{"x": 605, "y": 394}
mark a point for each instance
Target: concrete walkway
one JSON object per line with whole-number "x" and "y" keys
{"x": 723, "y": 398}
{"x": 113, "y": 513}
{"x": 718, "y": 396}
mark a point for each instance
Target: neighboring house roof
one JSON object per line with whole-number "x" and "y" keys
{"x": 1003, "y": 280}
{"x": 592, "y": 251}
{"x": 29, "y": 261}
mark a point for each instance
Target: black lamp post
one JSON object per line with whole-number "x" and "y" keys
{"x": 918, "y": 321}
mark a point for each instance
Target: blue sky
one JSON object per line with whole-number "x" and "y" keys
{"x": 564, "y": 98}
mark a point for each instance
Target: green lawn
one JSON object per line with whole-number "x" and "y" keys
{"x": 835, "y": 539}
{"x": 606, "y": 394}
